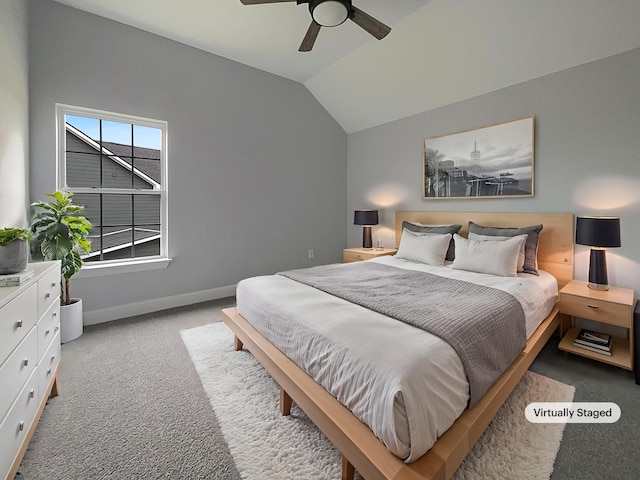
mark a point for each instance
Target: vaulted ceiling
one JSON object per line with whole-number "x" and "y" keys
{"x": 438, "y": 52}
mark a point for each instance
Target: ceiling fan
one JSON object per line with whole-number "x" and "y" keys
{"x": 331, "y": 13}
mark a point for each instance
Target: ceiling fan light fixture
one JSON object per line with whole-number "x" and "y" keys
{"x": 329, "y": 13}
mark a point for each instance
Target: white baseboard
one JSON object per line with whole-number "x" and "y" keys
{"x": 122, "y": 311}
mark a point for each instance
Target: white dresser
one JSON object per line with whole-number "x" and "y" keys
{"x": 29, "y": 359}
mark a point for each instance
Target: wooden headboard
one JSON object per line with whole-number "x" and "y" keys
{"x": 555, "y": 247}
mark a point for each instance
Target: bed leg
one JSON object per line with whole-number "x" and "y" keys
{"x": 237, "y": 343}
{"x": 348, "y": 471}
{"x": 285, "y": 403}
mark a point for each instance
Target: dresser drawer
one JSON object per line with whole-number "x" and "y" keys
{"x": 48, "y": 327}
{"x": 16, "y": 370}
{"x": 18, "y": 317}
{"x": 16, "y": 424}
{"x": 48, "y": 291}
{"x": 48, "y": 364}
{"x": 592, "y": 309}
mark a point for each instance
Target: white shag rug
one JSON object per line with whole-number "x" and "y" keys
{"x": 268, "y": 446}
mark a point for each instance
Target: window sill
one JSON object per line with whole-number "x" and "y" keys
{"x": 89, "y": 271}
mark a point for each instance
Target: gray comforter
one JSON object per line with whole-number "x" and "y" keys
{"x": 485, "y": 326}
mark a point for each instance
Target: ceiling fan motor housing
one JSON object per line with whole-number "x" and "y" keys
{"x": 330, "y": 13}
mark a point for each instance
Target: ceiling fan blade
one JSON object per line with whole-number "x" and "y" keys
{"x": 259, "y": 2}
{"x": 370, "y": 24}
{"x": 310, "y": 38}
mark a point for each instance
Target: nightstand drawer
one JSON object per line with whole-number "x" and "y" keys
{"x": 592, "y": 309}
{"x": 355, "y": 257}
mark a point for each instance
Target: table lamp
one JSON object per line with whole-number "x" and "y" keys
{"x": 366, "y": 218}
{"x": 598, "y": 232}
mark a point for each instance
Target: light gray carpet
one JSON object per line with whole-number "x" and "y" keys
{"x": 132, "y": 407}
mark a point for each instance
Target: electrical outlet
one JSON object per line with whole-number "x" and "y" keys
{"x": 311, "y": 254}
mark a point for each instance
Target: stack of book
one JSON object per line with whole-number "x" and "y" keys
{"x": 15, "y": 279}
{"x": 594, "y": 342}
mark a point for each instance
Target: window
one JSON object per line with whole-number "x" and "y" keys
{"x": 115, "y": 165}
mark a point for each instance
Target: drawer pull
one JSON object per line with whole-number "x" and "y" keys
{"x": 47, "y": 295}
{"x": 56, "y": 329}
{"x": 48, "y": 371}
{"x": 55, "y": 314}
{"x": 32, "y": 393}
{"x": 53, "y": 357}
{"x": 592, "y": 306}
{"x": 19, "y": 324}
{"x": 53, "y": 284}
{"x": 21, "y": 426}
{"x": 46, "y": 332}
{"x": 25, "y": 362}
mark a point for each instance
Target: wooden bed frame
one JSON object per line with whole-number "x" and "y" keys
{"x": 360, "y": 448}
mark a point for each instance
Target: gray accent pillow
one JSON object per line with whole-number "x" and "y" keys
{"x": 530, "y": 246}
{"x": 416, "y": 227}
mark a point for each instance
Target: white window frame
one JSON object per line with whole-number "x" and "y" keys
{"x": 110, "y": 267}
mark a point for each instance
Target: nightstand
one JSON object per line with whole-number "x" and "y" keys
{"x": 359, "y": 254}
{"x": 610, "y": 307}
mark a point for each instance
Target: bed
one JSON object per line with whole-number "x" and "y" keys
{"x": 457, "y": 428}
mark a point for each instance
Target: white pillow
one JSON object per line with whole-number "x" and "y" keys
{"x": 429, "y": 248}
{"x": 497, "y": 238}
{"x": 495, "y": 258}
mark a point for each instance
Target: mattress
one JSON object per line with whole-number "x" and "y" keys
{"x": 407, "y": 385}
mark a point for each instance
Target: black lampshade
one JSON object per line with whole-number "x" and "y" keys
{"x": 366, "y": 217}
{"x": 598, "y": 231}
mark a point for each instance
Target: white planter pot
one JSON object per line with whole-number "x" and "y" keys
{"x": 71, "y": 320}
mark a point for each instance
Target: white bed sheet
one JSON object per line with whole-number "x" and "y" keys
{"x": 409, "y": 386}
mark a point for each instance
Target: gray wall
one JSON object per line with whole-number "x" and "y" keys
{"x": 257, "y": 168}
{"x": 587, "y": 155}
{"x": 14, "y": 135}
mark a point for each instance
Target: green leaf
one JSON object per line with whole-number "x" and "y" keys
{"x": 59, "y": 233}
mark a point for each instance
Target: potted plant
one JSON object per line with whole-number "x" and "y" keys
{"x": 14, "y": 249}
{"x": 60, "y": 233}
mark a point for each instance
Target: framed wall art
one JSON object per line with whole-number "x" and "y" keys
{"x": 494, "y": 161}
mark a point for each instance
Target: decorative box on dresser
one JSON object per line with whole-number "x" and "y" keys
{"x": 29, "y": 359}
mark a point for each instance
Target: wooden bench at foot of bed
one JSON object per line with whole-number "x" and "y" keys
{"x": 353, "y": 439}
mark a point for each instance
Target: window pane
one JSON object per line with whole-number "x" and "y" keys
{"x": 147, "y": 137}
{"x": 116, "y": 210}
{"x": 91, "y": 204}
{"x": 147, "y": 169}
{"x": 88, "y": 126}
{"x": 116, "y": 132}
{"x": 116, "y": 171}
{"x": 147, "y": 208}
{"x": 83, "y": 169}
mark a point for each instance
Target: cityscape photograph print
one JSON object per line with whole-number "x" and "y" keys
{"x": 486, "y": 162}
